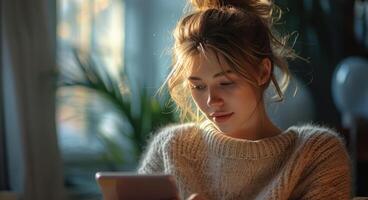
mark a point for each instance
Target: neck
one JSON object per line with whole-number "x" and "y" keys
{"x": 260, "y": 126}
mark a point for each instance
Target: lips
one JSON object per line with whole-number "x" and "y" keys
{"x": 220, "y": 117}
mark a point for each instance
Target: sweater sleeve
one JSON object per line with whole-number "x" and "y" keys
{"x": 152, "y": 159}
{"x": 329, "y": 175}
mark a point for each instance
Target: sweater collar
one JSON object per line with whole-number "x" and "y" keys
{"x": 226, "y": 146}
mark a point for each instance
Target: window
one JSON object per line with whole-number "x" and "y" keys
{"x": 100, "y": 125}
{"x": 93, "y": 30}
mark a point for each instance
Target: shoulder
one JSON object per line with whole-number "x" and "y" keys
{"x": 176, "y": 130}
{"x": 162, "y": 144}
{"x": 311, "y": 131}
{"x": 172, "y": 132}
{"x": 317, "y": 140}
{"x": 325, "y": 165}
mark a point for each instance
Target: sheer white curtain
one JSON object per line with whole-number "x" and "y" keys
{"x": 28, "y": 61}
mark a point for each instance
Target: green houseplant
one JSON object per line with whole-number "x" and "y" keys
{"x": 105, "y": 92}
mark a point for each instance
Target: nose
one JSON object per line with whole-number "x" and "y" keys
{"x": 214, "y": 99}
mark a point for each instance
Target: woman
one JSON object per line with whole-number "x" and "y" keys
{"x": 225, "y": 55}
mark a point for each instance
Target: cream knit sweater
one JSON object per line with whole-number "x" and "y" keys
{"x": 303, "y": 162}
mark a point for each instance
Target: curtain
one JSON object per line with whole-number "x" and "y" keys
{"x": 3, "y": 167}
{"x": 28, "y": 75}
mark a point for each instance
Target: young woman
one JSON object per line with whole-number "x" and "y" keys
{"x": 225, "y": 55}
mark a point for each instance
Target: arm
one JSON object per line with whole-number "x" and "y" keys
{"x": 152, "y": 159}
{"x": 330, "y": 172}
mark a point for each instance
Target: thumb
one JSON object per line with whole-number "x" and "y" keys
{"x": 195, "y": 196}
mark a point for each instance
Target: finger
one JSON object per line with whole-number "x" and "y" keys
{"x": 195, "y": 197}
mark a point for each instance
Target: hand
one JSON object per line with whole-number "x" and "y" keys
{"x": 196, "y": 197}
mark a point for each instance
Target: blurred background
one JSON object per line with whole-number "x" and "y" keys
{"x": 78, "y": 78}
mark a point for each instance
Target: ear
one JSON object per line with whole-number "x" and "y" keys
{"x": 264, "y": 71}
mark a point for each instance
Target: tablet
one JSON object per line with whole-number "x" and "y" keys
{"x": 124, "y": 186}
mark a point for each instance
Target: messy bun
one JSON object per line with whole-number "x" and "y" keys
{"x": 239, "y": 30}
{"x": 263, "y": 8}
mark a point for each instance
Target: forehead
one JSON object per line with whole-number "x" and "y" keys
{"x": 208, "y": 63}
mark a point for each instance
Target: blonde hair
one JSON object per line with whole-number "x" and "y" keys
{"x": 239, "y": 30}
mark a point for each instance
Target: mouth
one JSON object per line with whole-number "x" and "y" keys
{"x": 221, "y": 117}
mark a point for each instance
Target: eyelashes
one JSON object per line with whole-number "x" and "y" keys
{"x": 197, "y": 87}
{"x": 227, "y": 83}
{"x": 203, "y": 87}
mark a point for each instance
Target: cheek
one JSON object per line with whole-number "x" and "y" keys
{"x": 200, "y": 100}
{"x": 243, "y": 97}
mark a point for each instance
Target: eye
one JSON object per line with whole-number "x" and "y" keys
{"x": 197, "y": 87}
{"x": 227, "y": 83}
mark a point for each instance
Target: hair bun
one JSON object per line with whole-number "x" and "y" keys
{"x": 262, "y": 8}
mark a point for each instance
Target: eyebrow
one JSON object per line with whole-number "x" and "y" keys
{"x": 214, "y": 76}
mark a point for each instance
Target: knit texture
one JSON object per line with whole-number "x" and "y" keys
{"x": 303, "y": 162}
